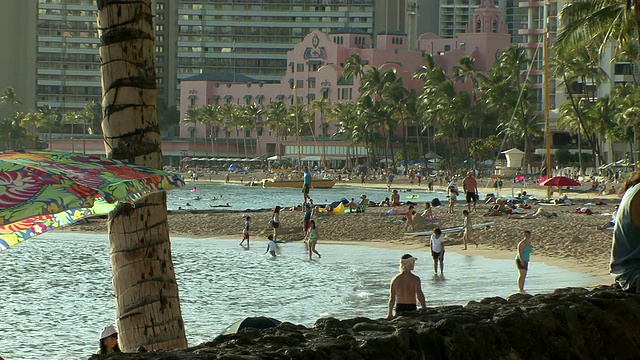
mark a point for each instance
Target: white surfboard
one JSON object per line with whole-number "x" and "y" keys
{"x": 449, "y": 230}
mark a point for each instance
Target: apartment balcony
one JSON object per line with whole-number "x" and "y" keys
{"x": 530, "y": 45}
{"x": 530, "y": 4}
{"x": 531, "y": 31}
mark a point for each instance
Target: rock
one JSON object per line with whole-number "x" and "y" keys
{"x": 571, "y": 323}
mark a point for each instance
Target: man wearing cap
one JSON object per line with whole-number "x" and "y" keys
{"x": 470, "y": 187}
{"x": 405, "y": 288}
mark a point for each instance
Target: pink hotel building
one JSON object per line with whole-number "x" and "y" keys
{"x": 315, "y": 69}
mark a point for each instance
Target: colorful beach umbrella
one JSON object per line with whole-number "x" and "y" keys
{"x": 560, "y": 181}
{"x": 42, "y": 190}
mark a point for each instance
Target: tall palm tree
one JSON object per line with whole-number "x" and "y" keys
{"x": 597, "y": 22}
{"x": 227, "y": 114}
{"x": 254, "y": 115}
{"x": 347, "y": 116}
{"x": 146, "y": 292}
{"x": 210, "y": 117}
{"x": 465, "y": 72}
{"x": 353, "y": 67}
{"x": 580, "y": 63}
{"x": 322, "y": 107}
{"x": 276, "y": 114}
{"x": 48, "y": 119}
{"x": 193, "y": 116}
{"x": 9, "y": 97}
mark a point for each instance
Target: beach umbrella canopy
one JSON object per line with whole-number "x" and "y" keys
{"x": 258, "y": 322}
{"x": 559, "y": 181}
{"x": 42, "y": 190}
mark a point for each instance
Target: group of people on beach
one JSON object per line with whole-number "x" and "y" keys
{"x": 405, "y": 290}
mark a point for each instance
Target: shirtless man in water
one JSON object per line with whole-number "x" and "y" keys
{"x": 405, "y": 288}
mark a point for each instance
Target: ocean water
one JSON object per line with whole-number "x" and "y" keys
{"x": 56, "y": 289}
{"x": 240, "y": 197}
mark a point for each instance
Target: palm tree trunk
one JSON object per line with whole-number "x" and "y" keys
{"x": 146, "y": 293}
{"x": 574, "y": 105}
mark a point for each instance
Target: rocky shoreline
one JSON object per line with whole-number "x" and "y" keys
{"x": 571, "y": 323}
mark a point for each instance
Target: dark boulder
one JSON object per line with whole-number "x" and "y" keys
{"x": 572, "y": 323}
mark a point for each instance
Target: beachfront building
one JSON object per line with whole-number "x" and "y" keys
{"x": 54, "y": 43}
{"x": 314, "y": 71}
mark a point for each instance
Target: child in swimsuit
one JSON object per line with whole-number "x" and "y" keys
{"x": 312, "y": 238}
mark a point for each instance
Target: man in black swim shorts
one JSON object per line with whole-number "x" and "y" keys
{"x": 470, "y": 187}
{"x": 405, "y": 288}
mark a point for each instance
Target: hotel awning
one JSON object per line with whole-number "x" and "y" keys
{"x": 314, "y": 62}
{"x": 247, "y": 97}
{"x": 311, "y": 78}
{"x": 290, "y": 97}
{"x": 311, "y": 96}
{"x": 215, "y": 97}
{"x": 191, "y": 97}
{"x": 324, "y": 90}
{"x": 279, "y": 96}
{"x": 227, "y": 97}
{"x": 259, "y": 97}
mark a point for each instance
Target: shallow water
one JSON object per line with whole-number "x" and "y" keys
{"x": 56, "y": 290}
{"x": 241, "y": 197}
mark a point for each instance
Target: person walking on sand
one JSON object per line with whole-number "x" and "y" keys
{"x": 409, "y": 215}
{"x": 470, "y": 187}
{"x": 306, "y": 184}
{"x": 275, "y": 221}
{"x": 522, "y": 258}
{"x": 437, "y": 250}
{"x": 467, "y": 224}
{"x": 405, "y": 289}
{"x": 312, "y": 239}
{"x": 245, "y": 230}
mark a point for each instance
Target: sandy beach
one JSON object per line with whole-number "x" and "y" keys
{"x": 570, "y": 241}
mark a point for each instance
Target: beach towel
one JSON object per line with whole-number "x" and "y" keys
{"x": 433, "y": 218}
{"x": 583, "y": 211}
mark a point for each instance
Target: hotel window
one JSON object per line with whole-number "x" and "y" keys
{"x": 299, "y": 67}
{"x": 300, "y": 84}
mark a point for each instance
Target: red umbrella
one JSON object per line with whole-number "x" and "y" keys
{"x": 560, "y": 181}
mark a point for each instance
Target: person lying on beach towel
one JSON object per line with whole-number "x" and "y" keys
{"x": 582, "y": 210}
{"x": 394, "y": 211}
{"x": 609, "y": 224}
{"x": 534, "y": 215}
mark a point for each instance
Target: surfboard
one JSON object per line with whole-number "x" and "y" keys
{"x": 449, "y": 230}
